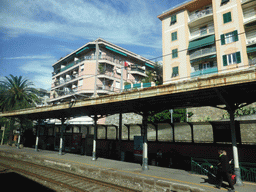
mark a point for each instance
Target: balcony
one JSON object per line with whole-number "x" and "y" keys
{"x": 246, "y": 1}
{"x": 105, "y": 88}
{"x": 201, "y": 33}
{"x": 250, "y": 33}
{"x": 203, "y": 16}
{"x": 252, "y": 60}
{"x": 249, "y": 15}
{"x": 136, "y": 70}
{"x": 203, "y": 52}
{"x": 204, "y": 72}
{"x": 105, "y": 59}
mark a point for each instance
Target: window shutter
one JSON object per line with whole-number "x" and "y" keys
{"x": 174, "y": 53}
{"x": 175, "y": 71}
{"x": 222, "y": 37}
{"x": 227, "y": 17}
{"x": 174, "y": 36}
{"x": 225, "y": 62}
{"x": 173, "y": 19}
{"x": 238, "y": 57}
{"x": 235, "y": 33}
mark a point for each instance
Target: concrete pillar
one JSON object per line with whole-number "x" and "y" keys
{"x": 94, "y": 138}
{"x": 61, "y": 136}
{"x": 145, "y": 142}
{"x": 234, "y": 146}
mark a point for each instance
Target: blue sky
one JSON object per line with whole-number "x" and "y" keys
{"x": 34, "y": 34}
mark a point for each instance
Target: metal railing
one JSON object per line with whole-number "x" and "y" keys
{"x": 202, "y": 52}
{"x": 202, "y": 32}
{"x": 202, "y": 166}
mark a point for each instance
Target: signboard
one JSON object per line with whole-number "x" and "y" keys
{"x": 138, "y": 146}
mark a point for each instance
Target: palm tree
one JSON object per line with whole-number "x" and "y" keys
{"x": 16, "y": 93}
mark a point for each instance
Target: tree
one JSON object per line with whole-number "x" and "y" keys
{"x": 155, "y": 75}
{"x": 17, "y": 93}
{"x": 179, "y": 115}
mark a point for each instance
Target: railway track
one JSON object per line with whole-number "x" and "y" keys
{"x": 68, "y": 181}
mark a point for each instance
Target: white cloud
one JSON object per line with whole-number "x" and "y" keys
{"x": 39, "y": 72}
{"x": 32, "y": 57}
{"x": 123, "y": 22}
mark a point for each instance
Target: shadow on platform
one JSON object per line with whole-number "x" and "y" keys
{"x": 12, "y": 181}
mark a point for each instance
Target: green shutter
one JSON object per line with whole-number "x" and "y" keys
{"x": 227, "y": 17}
{"x": 174, "y": 53}
{"x": 175, "y": 71}
{"x": 174, "y": 36}
{"x": 238, "y": 57}
{"x": 225, "y": 62}
{"x": 235, "y": 33}
{"x": 224, "y": 1}
{"x": 173, "y": 19}
{"x": 222, "y": 37}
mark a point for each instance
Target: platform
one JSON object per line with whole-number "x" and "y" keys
{"x": 154, "y": 179}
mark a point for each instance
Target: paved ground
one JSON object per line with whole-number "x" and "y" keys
{"x": 156, "y": 173}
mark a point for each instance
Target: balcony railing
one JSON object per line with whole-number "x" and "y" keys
{"x": 252, "y": 61}
{"x": 202, "y": 52}
{"x": 105, "y": 87}
{"x": 137, "y": 69}
{"x": 249, "y": 15}
{"x": 200, "y": 14}
{"x": 202, "y": 32}
{"x": 86, "y": 58}
{"x": 204, "y": 71}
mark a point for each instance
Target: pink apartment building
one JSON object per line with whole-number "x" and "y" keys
{"x": 74, "y": 75}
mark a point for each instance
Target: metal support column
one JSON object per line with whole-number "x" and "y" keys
{"x": 61, "y": 136}
{"x": 231, "y": 108}
{"x": 120, "y": 137}
{"x": 145, "y": 142}
{"x": 37, "y": 134}
{"x": 234, "y": 146}
{"x": 94, "y": 138}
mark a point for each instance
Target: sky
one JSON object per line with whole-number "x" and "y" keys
{"x": 34, "y": 34}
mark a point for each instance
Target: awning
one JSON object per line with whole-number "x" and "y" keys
{"x": 119, "y": 52}
{"x": 251, "y": 49}
{"x": 203, "y": 58}
{"x": 82, "y": 50}
{"x": 201, "y": 42}
{"x": 151, "y": 66}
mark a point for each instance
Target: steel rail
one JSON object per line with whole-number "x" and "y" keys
{"x": 61, "y": 173}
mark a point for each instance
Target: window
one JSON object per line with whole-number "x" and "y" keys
{"x": 174, "y": 53}
{"x": 174, "y": 36}
{"x": 175, "y": 71}
{"x": 203, "y": 30}
{"x": 229, "y": 37}
{"x": 230, "y": 59}
{"x": 227, "y": 17}
{"x": 206, "y": 65}
{"x": 173, "y": 19}
{"x": 224, "y": 2}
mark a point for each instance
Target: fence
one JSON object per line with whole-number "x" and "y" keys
{"x": 202, "y": 167}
